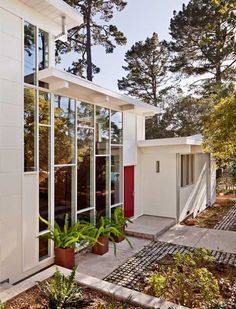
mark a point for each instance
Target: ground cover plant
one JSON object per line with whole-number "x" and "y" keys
{"x": 211, "y": 215}
{"x": 194, "y": 280}
{"x": 61, "y": 292}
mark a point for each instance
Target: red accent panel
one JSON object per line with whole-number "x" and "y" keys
{"x": 129, "y": 191}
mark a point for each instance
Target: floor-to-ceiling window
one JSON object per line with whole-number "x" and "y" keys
{"x": 85, "y": 161}
{"x": 64, "y": 157}
{"x": 75, "y": 148}
{"x": 37, "y": 122}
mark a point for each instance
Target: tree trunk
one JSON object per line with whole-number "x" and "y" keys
{"x": 88, "y": 45}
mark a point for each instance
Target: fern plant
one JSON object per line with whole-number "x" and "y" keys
{"x": 69, "y": 236}
{"x": 61, "y": 291}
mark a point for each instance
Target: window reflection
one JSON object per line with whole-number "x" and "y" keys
{"x": 64, "y": 130}
{"x": 29, "y": 54}
{"x": 116, "y": 174}
{"x": 43, "y": 50}
{"x": 44, "y": 107}
{"x": 29, "y": 130}
{"x": 116, "y": 127}
{"x": 102, "y": 186}
{"x": 85, "y": 168}
{"x": 44, "y": 158}
{"x": 85, "y": 112}
{"x": 102, "y": 130}
{"x": 63, "y": 193}
{"x": 43, "y": 249}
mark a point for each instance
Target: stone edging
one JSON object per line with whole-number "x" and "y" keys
{"x": 119, "y": 292}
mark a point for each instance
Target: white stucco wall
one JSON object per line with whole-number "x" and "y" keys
{"x": 130, "y": 139}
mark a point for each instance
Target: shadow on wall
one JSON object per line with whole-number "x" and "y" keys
{"x": 193, "y": 199}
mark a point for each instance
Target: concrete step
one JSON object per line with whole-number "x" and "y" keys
{"x": 149, "y": 227}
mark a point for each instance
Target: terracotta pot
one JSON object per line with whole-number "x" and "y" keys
{"x": 119, "y": 238}
{"x": 102, "y": 247}
{"x": 65, "y": 257}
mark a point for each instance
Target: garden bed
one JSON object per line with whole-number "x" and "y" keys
{"x": 225, "y": 275}
{"x": 212, "y": 215}
{"x": 34, "y": 299}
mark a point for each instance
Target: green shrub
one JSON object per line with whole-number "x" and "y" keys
{"x": 187, "y": 281}
{"x": 61, "y": 291}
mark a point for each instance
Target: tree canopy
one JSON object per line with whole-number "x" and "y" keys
{"x": 203, "y": 42}
{"x": 220, "y": 130}
{"x": 95, "y": 30}
{"x": 146, "y": 67}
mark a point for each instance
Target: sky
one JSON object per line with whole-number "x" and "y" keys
{"x": 138, "y": 20}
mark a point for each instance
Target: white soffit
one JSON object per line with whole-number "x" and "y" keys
{"x": 67, "y": 84}
{"x": 195, "y": 140}
{"x": 54, "y": 10}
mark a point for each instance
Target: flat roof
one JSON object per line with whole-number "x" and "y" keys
{"x": 70, "y": 85}
{"x": 194, "y": 140}
{"x": 54, "y": 10}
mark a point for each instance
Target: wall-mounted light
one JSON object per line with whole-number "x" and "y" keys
{"x": 157, "y": 166}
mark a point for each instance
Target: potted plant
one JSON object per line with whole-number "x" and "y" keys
{"x": 104, "y": 229}
{"x": 65, "y": 239}
{"x": 121, "y": 222}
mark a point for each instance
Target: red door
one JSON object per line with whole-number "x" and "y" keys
{"x": 129, "y": 191}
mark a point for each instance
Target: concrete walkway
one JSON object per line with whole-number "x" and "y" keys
{"x": 100, "y": 266}
{"x": 149, "y": 227}
{"x": 200, "y": 237}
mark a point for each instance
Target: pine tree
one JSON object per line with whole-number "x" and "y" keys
{"x": 95, "y": 30}
{"x": 203, "y": 41}
{"x": 146, "y": 67}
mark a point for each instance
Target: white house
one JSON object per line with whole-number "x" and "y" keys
{"x": 70, "y": 146}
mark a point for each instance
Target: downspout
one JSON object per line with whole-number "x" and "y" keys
{"x": 63, "y": 35}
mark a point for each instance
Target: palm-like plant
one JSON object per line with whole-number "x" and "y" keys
{"x": 69, "y": 236}
{"x": 119, "y": 217}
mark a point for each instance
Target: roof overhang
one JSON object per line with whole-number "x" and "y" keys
{"x": 67, "y": 84}
{"x": 55, "y": 10}
{"x": 195, "y": 140}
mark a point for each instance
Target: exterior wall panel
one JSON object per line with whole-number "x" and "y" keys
{"x": 10, "y": 145}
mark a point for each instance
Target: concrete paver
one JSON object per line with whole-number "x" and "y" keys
{"x": 218, "y": 240}
{"x": 183, "y": 235}
{"x": 100, "y": 266}
{"x": 149, "y": 227}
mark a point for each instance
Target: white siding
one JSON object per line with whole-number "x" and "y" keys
{"x": 11, "y": 111}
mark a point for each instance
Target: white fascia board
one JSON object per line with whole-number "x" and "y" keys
{"x": 190, "y": 140}
{"x": 97, "y": 92}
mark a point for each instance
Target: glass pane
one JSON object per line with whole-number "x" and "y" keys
{"x": 102, "y": 130}
{"x": 86, "y": 216}
{"x": 85, "y": 171}
{"x": 44, "y": 175}
{"x": 43, "y": 249}
{"x": 85, "y": 113}
{"x": 29, "y": 130}
{"x": 63, "y": 193}
{"x": 116, "y": 127}
{"x": 64, "y": 130}
{"x": 102, "y": 186}
{"x": 116, "y": 175}
{"x": 44, "y": 107}
{"x": 29, "y": 54}
{"x": 43, "y": 50}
